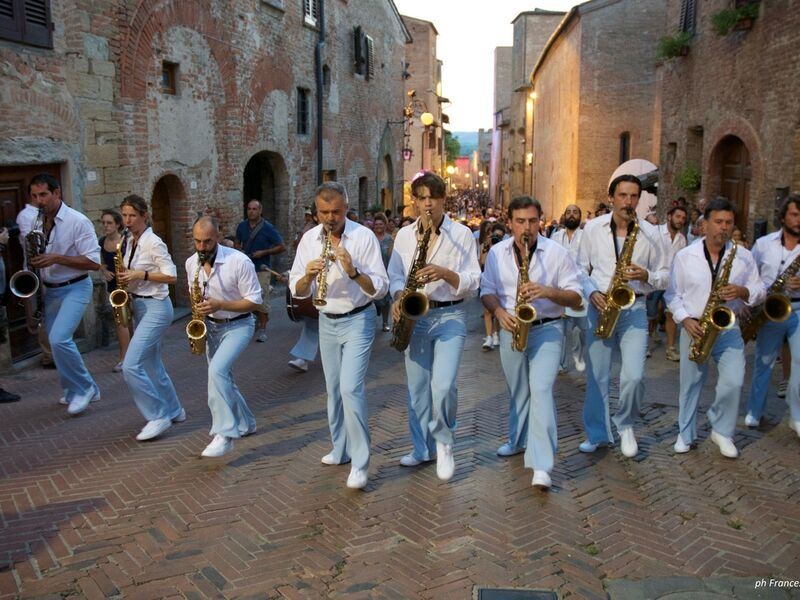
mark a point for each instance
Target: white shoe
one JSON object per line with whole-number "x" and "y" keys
{"x": 680, "y": 446}
{"x": 262, "y": 336}
{"x": 154, "y": 429}
{"x": 445, "y": 463}
{"x": 117, "y": 368}
{"x": 796, "y": 426}
{"x": 495, "y": 339}
{"x": 250, "y": 431}
{"x": 750, "y": 420}
{"x": 409, "y": 460}
{"x": 508, "y": 450}
{"x": 357, "y": 479}
{"x": 180, "y": 417}
{"x": 219, "y": 446}
{"x": 628, "y": 443}
{"x": 726, "y": 445}
{"x": 330, "y": 459}
{"x": 580, "y": 365}
{"x": 298, "y": 364}
{"x": 587, "y": 447}
{"x": 76, "y": 407}
{"x": 63, "y": 399}
{"x": 487, "y": 343}
{"x": 541, "y": 479}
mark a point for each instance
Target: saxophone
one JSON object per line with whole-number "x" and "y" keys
{"x": 322, "y": 276}
{"x": 413, "y": 303}
{"x": 716, "y": 316}
{"x": 119, "y": 299}
{"x": 26, "y": 284}
{"x": 196, "y": 328}
{"x": 776, "y": 308}
{"x": 619, "y": 296}
{"x": 525, "y": 312}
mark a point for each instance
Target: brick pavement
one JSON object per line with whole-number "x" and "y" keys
{"x": 87, "y": 512}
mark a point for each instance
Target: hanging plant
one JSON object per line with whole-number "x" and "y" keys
{"x": 740, "y": 17}
{"x": 672, "y": 46}
{"x": 688, "y": 179}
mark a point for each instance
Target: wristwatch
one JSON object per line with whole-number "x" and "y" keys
{"x": 356, "y": 274}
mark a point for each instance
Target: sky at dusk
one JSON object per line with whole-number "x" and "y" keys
{"x": 469, "y": 31}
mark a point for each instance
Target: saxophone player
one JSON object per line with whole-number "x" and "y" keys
{"x": 147, "y": 271}
{"x": 344, "y": 278}
{"x": 450, "y": 273}
{"x": 775, "y": 254}
{"x": 71, "y": 252}
{"x": 230, "y": 293}
{"x": 604, "y": 243}
{"x": 697, "y": 270}
{"x": 553, "y": 283}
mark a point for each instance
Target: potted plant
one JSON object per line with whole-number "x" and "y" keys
{"x": 672, "y": 46}
{"x": 688, "y": 179}
{"x": 739, "y": 18}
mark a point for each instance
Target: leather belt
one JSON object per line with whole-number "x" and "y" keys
{"x": 545, "y": 320}
{"x": 141, "y": 297}
{"x": 66, "y": 283}
{"x": 236, "y": 318}
{"x": 355, "y": 311}
{"x": 437, "y": 304}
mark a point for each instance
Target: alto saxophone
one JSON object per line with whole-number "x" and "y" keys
{"x": 26, "y": 284}
{"x": 413, "y": 303}
{"x": 119, "y": 298}
{"x": 196, "y": 329}
{"x": 716, "y": 316}
{"x": 776, "y": 308}
{"x": 322, "y": 276}
{"x": 619, "y": 296}
{"x": 524, "y": 311}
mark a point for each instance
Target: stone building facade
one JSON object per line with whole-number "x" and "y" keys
{"x": 200, "y": 106}
{"x": 596, "y": 100}
{"x": 498, "y": 167}
{"x": 731, "y": 109}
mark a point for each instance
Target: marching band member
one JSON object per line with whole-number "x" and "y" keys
{"x": 697, "y": 270}
{"x": 553, "y": 283}
{"x": 451, "y": 273}
{"x": 148, "y": 271}
{"x": 231, "y": 292}
{"x": 602, "y": 243}
{"x": 72, "y": 251}
{"x": 339, "y": 261}
{"x": 774, "y": 253}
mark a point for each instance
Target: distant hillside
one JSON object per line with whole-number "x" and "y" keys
{"x": 468, "y": 141}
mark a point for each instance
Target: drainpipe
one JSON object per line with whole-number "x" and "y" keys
{"x": 318, "y": 59}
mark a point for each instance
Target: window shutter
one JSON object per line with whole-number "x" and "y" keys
{"x": 358, "y": 50}
{"x": 310, "y": 11}
{"x": 687, "y": 15}
{"x": 37, "y": 23}
{"x": 370, "y": 57}
{"x": 10, "y": 21}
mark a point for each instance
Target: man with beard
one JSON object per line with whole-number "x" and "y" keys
{"x": 575, "y": 324}
{"x": 674, "y": 240}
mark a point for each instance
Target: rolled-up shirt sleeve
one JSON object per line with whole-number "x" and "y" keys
{"x": 754, "y": 285}
{"x": 301, "y": 258}
{"x": 86, "y": 243}
{"x": 162, "y": 259}
{"x": 249, "y": 287}
{"x": 490, "y": 279}
{"x": 469, "y": 271}
{"x": 372, "y": 266}
{"x": 585, "y": 265}
{"x": 673, "y": 295}
{"x": 658, "y": 262}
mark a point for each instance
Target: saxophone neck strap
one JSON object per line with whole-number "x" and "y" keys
{"x": 531, "y": 250}
{"x": 613, "y": 225}
{"x": 713, "y": 267}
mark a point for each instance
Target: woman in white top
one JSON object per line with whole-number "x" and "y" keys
{"x": 148, "y": 270}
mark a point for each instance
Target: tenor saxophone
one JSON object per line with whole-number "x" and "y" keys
{"x": 716, "y": 316}
{"x": 26, "y": 283}
{"x": 524, "y": 311}
{"x": 776, "y": 308}
{"x": 196, "y": 329}
{"x": 413, "y": 303}
{"x": 322, "y": 276}
{"x": 620, "y": 296}
{"x": 119, "y": 298}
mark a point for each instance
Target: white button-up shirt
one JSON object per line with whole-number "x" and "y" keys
{"x": 454, "y": 249}
{"x": 690, "y": 281}
{"x": 598, "y": 260}
{"x": 71, "y": 235}
{"x": 233, "y": 277}
{"x": 672, "y": 245}
{"x": 551, "y": 265}
{"x": 344, "y": 294}
{"x": 25, "y": 219}
{"x": 773, "y": 259}
{"x": 573, "y": 244}
{"x": 151, "y": 255}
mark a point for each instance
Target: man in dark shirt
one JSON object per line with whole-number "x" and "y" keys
{"x": 258, "y": 239}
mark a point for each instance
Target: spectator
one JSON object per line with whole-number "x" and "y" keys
{"x": 385, "y": 240}
{"x": 5, "y": 396}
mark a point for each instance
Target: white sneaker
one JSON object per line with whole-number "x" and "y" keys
{"x": 330, "y": 459}
{"x": 508, "y": 450}
{"x": 261, "y": 336}
{"x": 541, "y": 479}
{"x": 249, "y": 431}
{"x": 587, "y": 447}
{"x": 219, "y": 446}
{"x": 76, "y": 407}
{"x": 180, "y": 417}
{"x": 298, "y": 364}
{"x": 580, "y": 364}
{"x": 487, "y": 343}
{"x": 409, "y": 460}
{"x": 154, "y": 429}
{"x": 750, "y": 420}
{"x": 357, "y": 479}
{"x": 726, "y": 445}
{"x": 445, "y": 463}
{"x": 63, "y": 399}
{"x": 796, "y": 426}
{"x": 117, "y": 368}
{"x": 628, "y": 443}
{"x": 680, "y": 446}
{"x": 495, "y": 339}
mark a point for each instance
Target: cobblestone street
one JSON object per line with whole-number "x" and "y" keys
{"x": 88, "y": 512}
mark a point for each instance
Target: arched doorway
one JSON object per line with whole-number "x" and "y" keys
{"x": 731, "y": 163}
{"x": 259, "y": 184}
{"x": 387, "y": 182}
{"x": 168, "y": 197}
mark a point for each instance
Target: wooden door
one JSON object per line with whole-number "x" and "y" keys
{"x": 735, "y": 177}
{"x": 161, "y": 220}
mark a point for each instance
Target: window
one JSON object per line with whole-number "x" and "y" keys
{"x": 310, "y": 12}
{"x": 26, "y": 21}
{"x": 329, "y": 175}
{"x": 302, "y": 111}
{"x": 363, "y": 53}
{"x": 326, "y": 79}
{"x": 370, "y": 57}
{"x": 687, "y": 16}
{"x": 169, "y": 78}
{"x": 624, "y": 147}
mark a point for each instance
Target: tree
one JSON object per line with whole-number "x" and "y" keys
{"x": 452, "y": 145}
